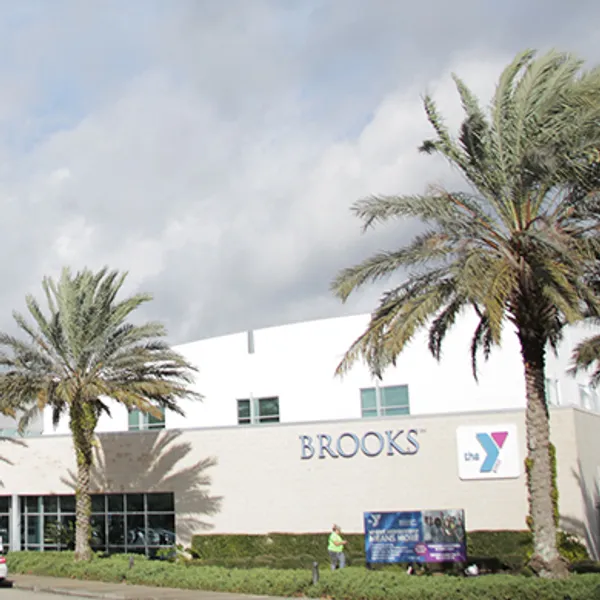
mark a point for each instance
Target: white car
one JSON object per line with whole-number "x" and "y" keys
{"x": 3, "y": 566}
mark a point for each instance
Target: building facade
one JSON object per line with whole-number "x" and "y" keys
{"x": 281, "y": 445}
{"x": 286, "y": 375}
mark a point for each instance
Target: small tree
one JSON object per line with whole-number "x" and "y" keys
{"x": 518, "y": 247}
{"x": 80, "y": 355}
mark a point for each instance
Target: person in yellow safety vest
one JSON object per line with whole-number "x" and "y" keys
{"x": 336, "y": 548}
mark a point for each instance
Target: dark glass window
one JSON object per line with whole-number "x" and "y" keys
{"x": 98, "y": 503}
{"x": 5, "y": 530}
{"x": 115, "y": 503}
{"x": 50, "y": 504}
{"x": 135, "y": 503}
{"x": 136, "y": 530}
{"x": 98, "y": 524}
{"x": 160, "y": 503}
{"x": 67, "y": 504}
{"x": 161, "y": 530}
{"x": 33, "y": 530}
{"x": 244, "y": 417}
{"x": 116, "y": 530}
{"x": 140, "y": 523}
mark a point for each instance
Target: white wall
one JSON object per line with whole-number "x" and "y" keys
{"x": 572, "y": 391}
{"x": 254, "y": 480}
{"x": 297, "y": 362}
{"x": 9, "y": 425}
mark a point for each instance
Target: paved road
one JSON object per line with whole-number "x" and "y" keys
{"x": 14, "y": 594}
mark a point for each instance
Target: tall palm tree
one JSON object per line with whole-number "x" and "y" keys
{"x": 81, "y": 354}
{"x": 515, "y": 247}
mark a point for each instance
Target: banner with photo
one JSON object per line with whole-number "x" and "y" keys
{"x": 415, "y": 536}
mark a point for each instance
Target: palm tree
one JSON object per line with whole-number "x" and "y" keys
{"x": 515, "y": 247}
{"x": 82, "y": 354}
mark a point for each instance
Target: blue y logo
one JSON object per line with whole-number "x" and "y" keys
{"x": 491, "y": 443}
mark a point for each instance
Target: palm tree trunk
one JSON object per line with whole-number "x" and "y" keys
{"x": 546, "y": 559}
{"x": 83, "y": 425}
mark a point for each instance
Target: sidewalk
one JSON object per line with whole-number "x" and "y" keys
{"x": 116, "y": 591}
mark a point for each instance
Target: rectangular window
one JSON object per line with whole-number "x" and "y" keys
{"x": 5, "y": 504}
{"x": 258, "y": 410}
{"x": 587, "y": 397}
{"x": 244, "y": 414}
{"x": 552, "y": 396}
{"x": 385, "y": 401}
{"x": 140, "y": 421}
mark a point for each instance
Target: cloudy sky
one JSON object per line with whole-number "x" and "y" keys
{"x": 212, "y": 148}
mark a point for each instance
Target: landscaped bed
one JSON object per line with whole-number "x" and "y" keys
{"x": 353, "y": 583}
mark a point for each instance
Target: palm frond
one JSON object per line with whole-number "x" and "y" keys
{"x": 586, "y": 356}
{"x": 482, "y": 341}
{"x": 524, "y": 245}
{"x": 400, "y": 314}
{"x": 431, "y": 247}
{"x": 84, "y": 351}
{"x": 442, "y": 324}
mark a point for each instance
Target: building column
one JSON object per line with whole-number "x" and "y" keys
{"x": 15, "y": 523}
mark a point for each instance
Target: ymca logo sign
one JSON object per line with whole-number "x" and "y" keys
{"x": 488, "y": 452}
{"x": 492, "y": 444}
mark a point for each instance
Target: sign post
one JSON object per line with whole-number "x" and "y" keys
{"x": 428, "y": 536}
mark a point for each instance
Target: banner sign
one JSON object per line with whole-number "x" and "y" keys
{"x": 417, "y": 536}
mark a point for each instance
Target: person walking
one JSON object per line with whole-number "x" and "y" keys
{"x": 336, "y": 548}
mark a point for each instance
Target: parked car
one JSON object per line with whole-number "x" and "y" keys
{"x": 3, "y": 566}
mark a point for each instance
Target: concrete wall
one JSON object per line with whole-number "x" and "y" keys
{"x": 585, "y": 473}
{"x": 297, "y": 363}
{"x": 253, "y": 479}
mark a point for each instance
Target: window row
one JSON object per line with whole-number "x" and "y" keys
{"x": 101, "y": 503}
{"x": 379, "y": 401}
{"x": 140, "y": 523}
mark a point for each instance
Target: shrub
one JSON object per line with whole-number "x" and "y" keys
{"x": 511, "y": 550}
{"x": 274, "y": 544}
{"x": 571, "y": 548}
{"x": 586, "y": 566}
{"x": 349, "y": 584}
{"x": 493, "y": 551}
{"x": 386, "y": 585}
{"x": 502, "y": 549}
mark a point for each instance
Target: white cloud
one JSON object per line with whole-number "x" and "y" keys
{"x": 214, "y": 154}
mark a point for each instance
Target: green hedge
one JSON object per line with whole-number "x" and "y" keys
{"x": 348, "y": 584}
{"x": 494, "y": 550}
{"x": 275, "y": 545}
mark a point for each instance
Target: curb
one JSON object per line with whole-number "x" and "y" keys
{"x": 77, "y": 593}
{"x": 128, "y": 593}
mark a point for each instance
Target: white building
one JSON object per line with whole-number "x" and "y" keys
{"x": 286, "y": 374}
{"x": 277, "y": 429}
